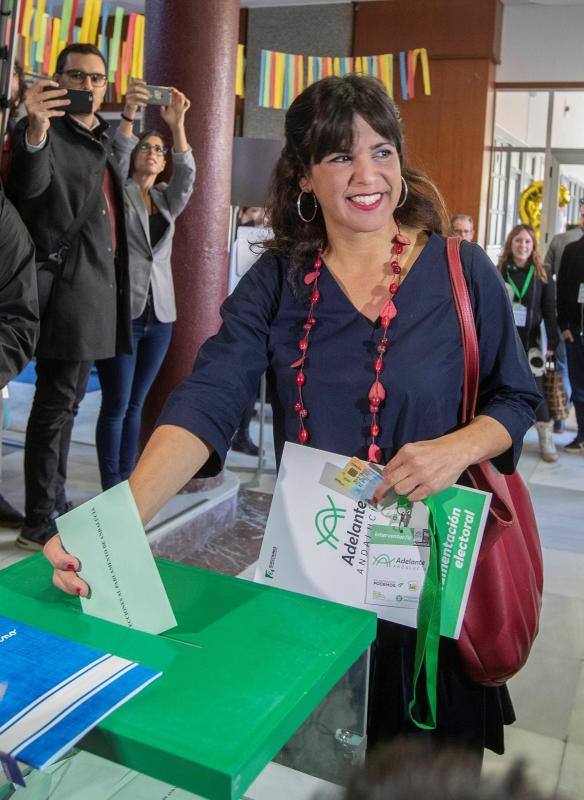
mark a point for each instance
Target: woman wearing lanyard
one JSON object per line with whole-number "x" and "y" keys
{"x": 356, "y": 279}
{"x": 533, "y": 295}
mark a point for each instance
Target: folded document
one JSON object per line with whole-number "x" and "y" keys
{"x": 56, "y": 690}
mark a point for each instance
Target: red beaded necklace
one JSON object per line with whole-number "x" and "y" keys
{"x": 377, "y": 392}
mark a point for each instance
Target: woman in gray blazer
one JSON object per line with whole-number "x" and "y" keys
{"x": 151, "y": 211}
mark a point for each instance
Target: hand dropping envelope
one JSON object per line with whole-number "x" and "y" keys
{"x": 107, "y": 536}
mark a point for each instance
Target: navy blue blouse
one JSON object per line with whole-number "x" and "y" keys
{"x": 422, "y": 372}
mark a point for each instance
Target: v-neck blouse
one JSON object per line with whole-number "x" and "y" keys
{"x": 423, "y": 368}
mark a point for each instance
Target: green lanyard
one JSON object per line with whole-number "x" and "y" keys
{"x": 428, "y": 636}
{"x": 521, "y": 294}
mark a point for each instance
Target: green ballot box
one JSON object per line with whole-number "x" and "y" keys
{"x": 251, "y": 675}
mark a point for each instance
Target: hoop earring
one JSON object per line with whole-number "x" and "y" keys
{"x": 399, "y": 205}
{"x": 314, "y": 200}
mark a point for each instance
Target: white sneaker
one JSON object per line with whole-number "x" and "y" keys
{"x": 547, "y": 447}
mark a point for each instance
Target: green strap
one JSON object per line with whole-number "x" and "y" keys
{"x": 521, "y": 294}
{"x": 428, "y": 637}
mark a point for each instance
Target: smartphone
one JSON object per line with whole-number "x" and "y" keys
{"x": 81, "y": 101}
{"x": 159, "y": 95}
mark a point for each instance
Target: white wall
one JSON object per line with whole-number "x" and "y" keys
{"x": 568, "y": 124}
{"x": 542, "y": 43}
{"x": 523, "y": 117}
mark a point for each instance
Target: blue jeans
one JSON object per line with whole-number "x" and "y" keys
{"x": 125, "y": 382}
{"x": 562, "y": 362}
{"x": 575, "y": 353}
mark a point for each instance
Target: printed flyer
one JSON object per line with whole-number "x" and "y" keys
{"x": 318, "y": 540}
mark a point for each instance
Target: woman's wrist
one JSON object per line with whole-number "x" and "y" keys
{"x": 128, "y": 117}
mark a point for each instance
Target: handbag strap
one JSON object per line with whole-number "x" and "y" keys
{"x": 67, "y": 238}
{"x": 468, "y": 333}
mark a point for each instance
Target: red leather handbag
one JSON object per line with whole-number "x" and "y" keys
{"x": 504, "y": 604}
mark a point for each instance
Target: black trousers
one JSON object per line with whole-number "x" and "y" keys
{"x": 60, "y": 388}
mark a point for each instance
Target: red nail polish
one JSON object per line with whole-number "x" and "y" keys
{"x": 71, "y": 567}
{"x": 78, "y": 591}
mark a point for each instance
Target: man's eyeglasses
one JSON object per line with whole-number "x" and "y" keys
{"x": 156, "y": 148}
{"x": 78, "y": 76}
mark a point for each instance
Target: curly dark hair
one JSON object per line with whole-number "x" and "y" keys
{"x": 319, "y": 122}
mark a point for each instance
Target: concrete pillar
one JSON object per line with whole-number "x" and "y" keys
{"x": 192, "y": 44}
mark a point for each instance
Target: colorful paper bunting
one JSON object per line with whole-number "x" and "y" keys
{"x": 281, "y": 78}
{"x": 282, "y": 74}
{"x": 42, "y": 35}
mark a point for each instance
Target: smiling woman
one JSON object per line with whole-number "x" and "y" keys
{"x": 332, "y": 128}
{"x": 351, "y": 314}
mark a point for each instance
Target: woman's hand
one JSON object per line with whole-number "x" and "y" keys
{"x": 136, "y": 97}
{"x": 174, "y": 114}
{"x": 66, "y": 567}
{"x": 171, "y": 457}
{"x": 421, "y": 469}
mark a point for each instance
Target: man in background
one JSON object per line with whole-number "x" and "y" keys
{"x": 555, "y": 251}
{"x": 552, "y": 261}
{"x": 63, "y": 169}
{"x": 570, "y": 301}
{"x": 462, "y": 226}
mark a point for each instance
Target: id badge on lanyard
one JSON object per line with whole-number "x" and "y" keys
{"x": 519, "y": 310}
{"x": 519, "y": 315}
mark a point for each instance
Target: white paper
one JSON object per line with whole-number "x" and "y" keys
{"x": 317, "y": 538}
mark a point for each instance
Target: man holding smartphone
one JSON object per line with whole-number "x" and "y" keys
{"x": 66, "y": 179}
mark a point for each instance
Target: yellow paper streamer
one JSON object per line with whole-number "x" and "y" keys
{"x": 240, "y": 71}
{"x": 310, "y": 70}
{"x": 140, "y": 60}
{"x": 422, "y": 54}
{"x": 86, "y": 22}
{"x": 27, "y": 19}
{"x": 279, "y": 80}
{"x": 39, "y": 21}
{"x": 134, "y": 56}
{"x": 123, "y": 75}
{"x": 94, "y": 21}
{"x": 55, "y": 45}
{"x": 387, "y": 73}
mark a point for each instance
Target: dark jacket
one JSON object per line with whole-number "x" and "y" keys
{"x": 88, "y": 315}
{"x": 570, "y": 276}
{"x": 540, "y": 301}
{"x": 19, "y": 308}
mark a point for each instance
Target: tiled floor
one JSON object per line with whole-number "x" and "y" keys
{"x": 548, "y": 694}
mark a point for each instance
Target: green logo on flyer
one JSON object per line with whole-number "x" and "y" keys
{"x": 269, "y": 573}
{"x": 326, "y": 521}
{"x": 383, "y": 560}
